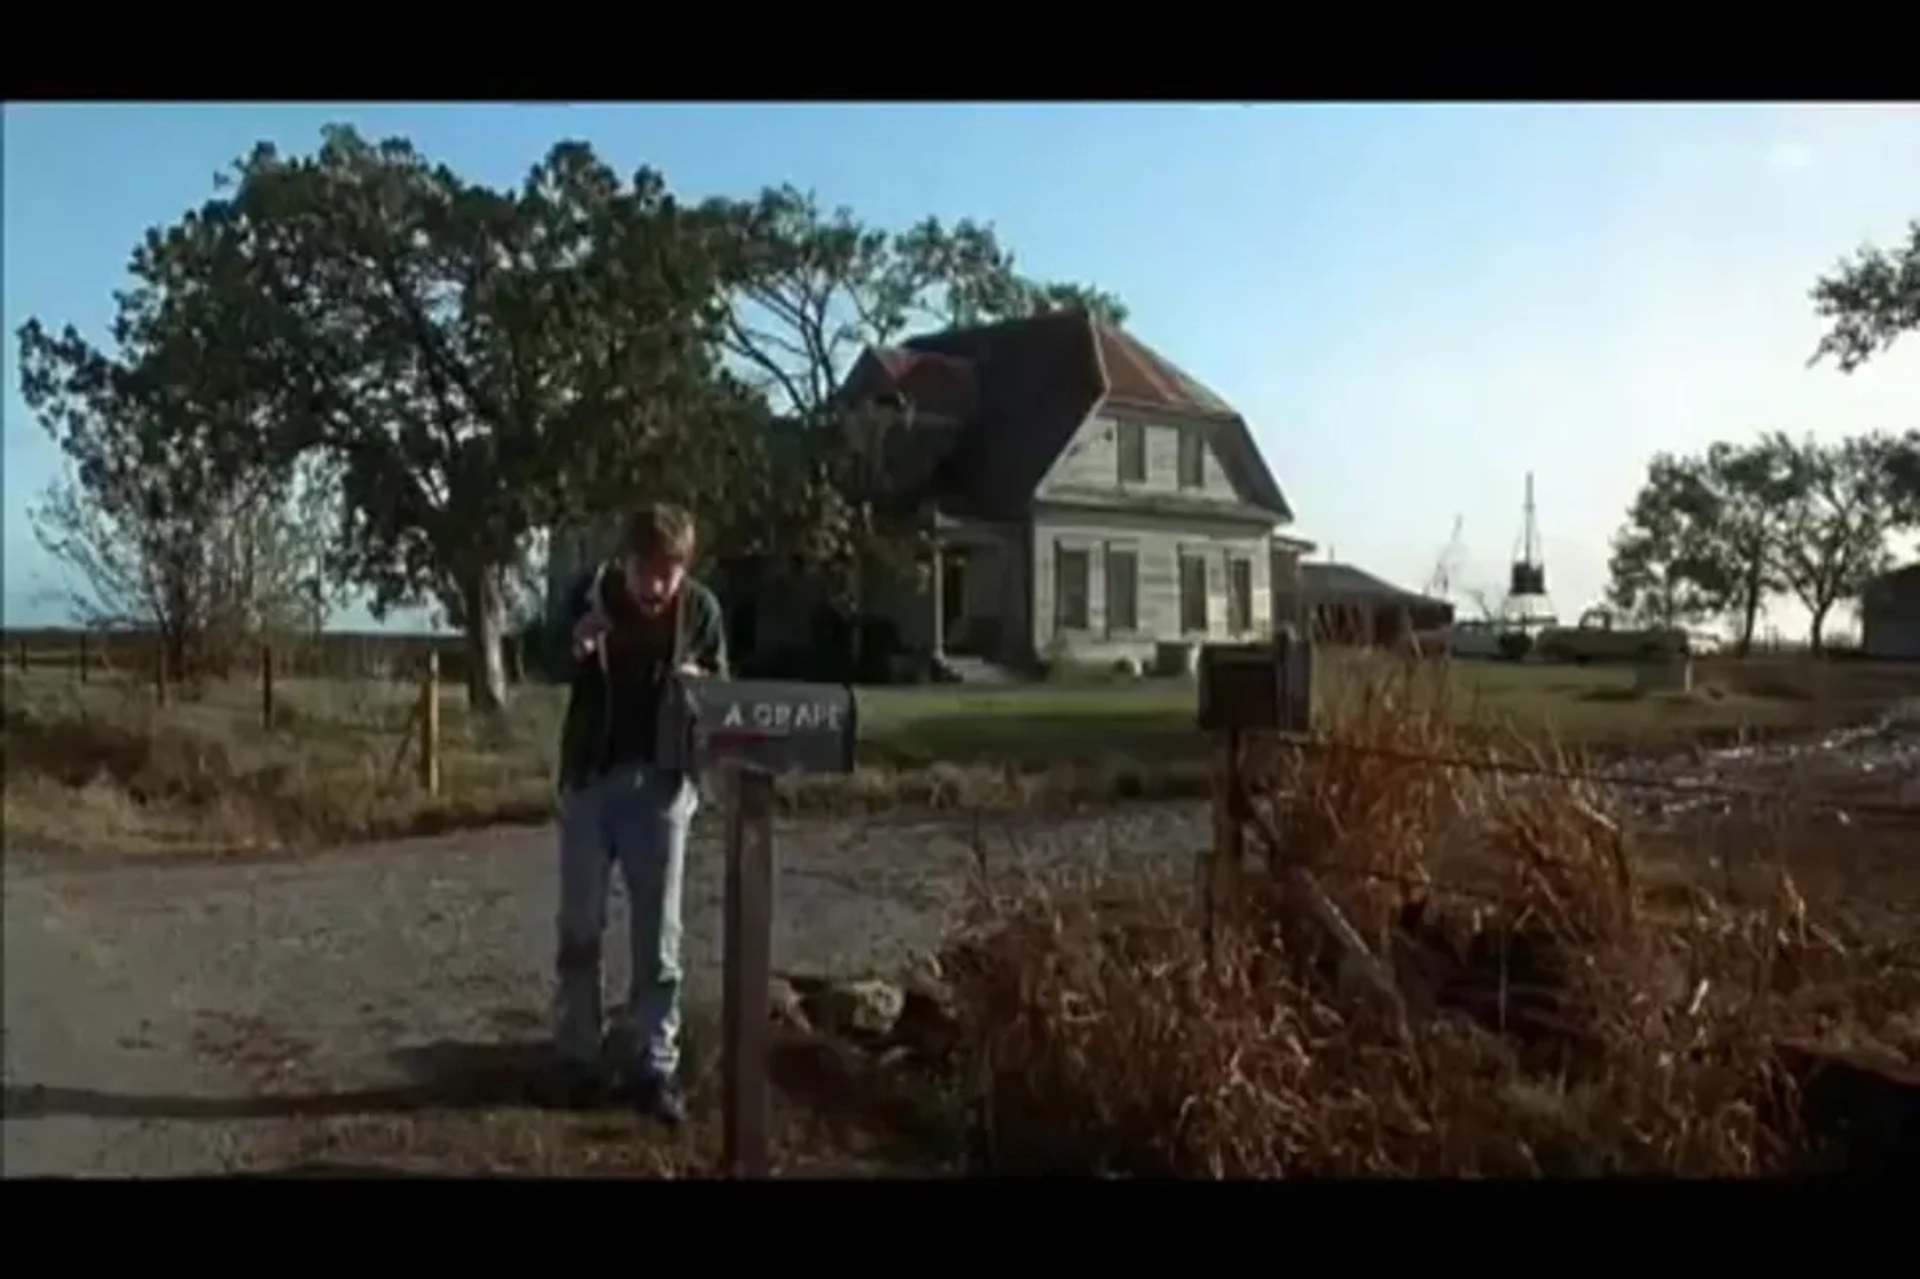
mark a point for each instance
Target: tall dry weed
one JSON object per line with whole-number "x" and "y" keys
{"x": 1556, "y": 1023}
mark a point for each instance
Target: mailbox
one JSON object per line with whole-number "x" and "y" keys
{"x": 769, "y": 726}
{"x": 1257, "y": 687}
{"x": 763, "y": 728}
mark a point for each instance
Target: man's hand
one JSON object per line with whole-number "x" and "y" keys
{"x": 588, "y": 632}
{"x": 694, "y": 669}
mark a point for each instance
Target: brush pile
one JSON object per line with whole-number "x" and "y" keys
{"x": 1553, "y": 991}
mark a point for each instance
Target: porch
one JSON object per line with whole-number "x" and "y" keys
{"x": 967, "y": 596}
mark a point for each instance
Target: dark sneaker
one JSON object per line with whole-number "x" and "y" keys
{"x": 659, "y": 1098}
{"x": 575, "y": 1086}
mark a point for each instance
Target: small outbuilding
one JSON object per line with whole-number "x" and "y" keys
{"x": 1342, "y": 604}
{"x": 1890, "y": 616}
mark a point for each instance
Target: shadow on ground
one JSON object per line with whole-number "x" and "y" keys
{"x": 444, "y": 1075}
{"x": 830, "y": 1100}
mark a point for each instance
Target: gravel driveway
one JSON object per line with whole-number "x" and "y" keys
{"x": 165, "y": 1017}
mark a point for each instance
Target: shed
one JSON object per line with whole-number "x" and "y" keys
{"x": 1890, "y": 615}
{"x": 1347, "y": 605}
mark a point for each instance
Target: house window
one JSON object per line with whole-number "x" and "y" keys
{"x": 1072, "y": 579}
{"x": 1123, "y": 589}
{"x": 1193, "y": 592}
{"x": 1240, "y": 595}
{"x": 1131, "y": 442}
{"x": 1193, "y": 451}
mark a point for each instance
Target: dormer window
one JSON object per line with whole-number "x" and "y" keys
{"x": 1192, "y": 460}
{"x": 1130, "y": 442}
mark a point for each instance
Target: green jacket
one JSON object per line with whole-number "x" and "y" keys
{"x": 700, "y": 637}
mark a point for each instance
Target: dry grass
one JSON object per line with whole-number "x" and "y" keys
{"x": 100, "y": 765}
{"x": 1581, "y": 994}
{"x": 1565, "y": 1010}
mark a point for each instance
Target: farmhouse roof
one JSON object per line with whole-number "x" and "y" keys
{"x": 1896, "y": 589}
{"x": 1330, "y": 580}
{"x": 1022, "y": 388}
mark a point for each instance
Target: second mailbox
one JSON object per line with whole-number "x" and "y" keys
{"x": 774, "y": 726}
{"x": 1257, "y": 687}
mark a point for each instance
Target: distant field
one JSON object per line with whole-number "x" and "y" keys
{"x": 335, "y": 654}
{"x": 97, "y": 763}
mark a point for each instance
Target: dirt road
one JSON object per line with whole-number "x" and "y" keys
{"x": 166, "y": 1018}
{"x": 169, "y": 1017}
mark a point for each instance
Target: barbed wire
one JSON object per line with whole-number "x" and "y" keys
{"x": 1689, "y": 787}
{"x": 1267, "y": 831}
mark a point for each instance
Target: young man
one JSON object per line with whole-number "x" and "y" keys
{"x": 627, "y": 625}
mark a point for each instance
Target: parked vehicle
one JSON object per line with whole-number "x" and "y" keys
{"x": 1596, "y": 638}
{"x": 1474, "y": 639}
{"x": 1704, "y": 643}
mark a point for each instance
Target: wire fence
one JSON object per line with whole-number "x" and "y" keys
{"x": 399, "y": 712}
{"x": 1239, "y": 812}
{"x": 1691, "y": 788}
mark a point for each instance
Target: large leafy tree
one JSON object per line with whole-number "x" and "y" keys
{"x": 814, "y": 287}
{"x": 1901, "y": 457}
{"x": 1703, "y": 537}
{"x": 1752, "y": 484}
{"x": 478, "y": 364}
{"x": 1869, "y": 302}
{"x": 160, "y": 525}
{"x": 1667, "y": 567}
{"x": 1837, "y": 507}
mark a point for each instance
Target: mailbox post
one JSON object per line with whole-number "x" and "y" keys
{"x": 752, "y": 731}
{"x": 747, "y": 971}
{"x": 1245, "y": 688}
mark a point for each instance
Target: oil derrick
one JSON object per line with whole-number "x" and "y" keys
{"x": 1527, "y": 606}
{"x": 1447, "y": 566}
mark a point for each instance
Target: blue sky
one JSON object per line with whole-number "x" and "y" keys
{"x": 1413, "y": 306}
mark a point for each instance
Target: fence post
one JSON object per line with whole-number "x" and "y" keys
{"x": 430, "y": 726}
{"x": 160, "y": 672}
{"x": 86, "y": 657}
{"x": 266, "y": 686}
{"x": 20, "y": 654}
{"x": 747, "y": 972}
{"x": 1220, "y": 873}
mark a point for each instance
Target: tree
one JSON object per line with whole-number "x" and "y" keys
{"x": 1839, "y": 505}
{"x": 162, "y": 529}
{"x": 1899, "y": 458}
{"x": 817, "y": 287}
{"x": 1869, "y": 302}
{"x": 1667, "y": 567}
{"x": 477, "y": 364}
{"x": 1751, "y": 484}
{"x": 1702, "y": 537}
{"x": 813, "y": 289}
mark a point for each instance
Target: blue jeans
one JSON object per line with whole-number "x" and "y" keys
{"x": 635, "y": 818}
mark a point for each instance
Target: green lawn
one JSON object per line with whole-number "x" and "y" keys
{"x": 99, "y": 764}
{"x": 1153, "y": 720}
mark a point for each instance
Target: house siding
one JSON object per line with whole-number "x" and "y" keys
{"x": 1090, "y": 464}
{"x": 1159, "y": 542}
{"x": 1284, "y": 570}
{"x": 1891, "y": 639}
